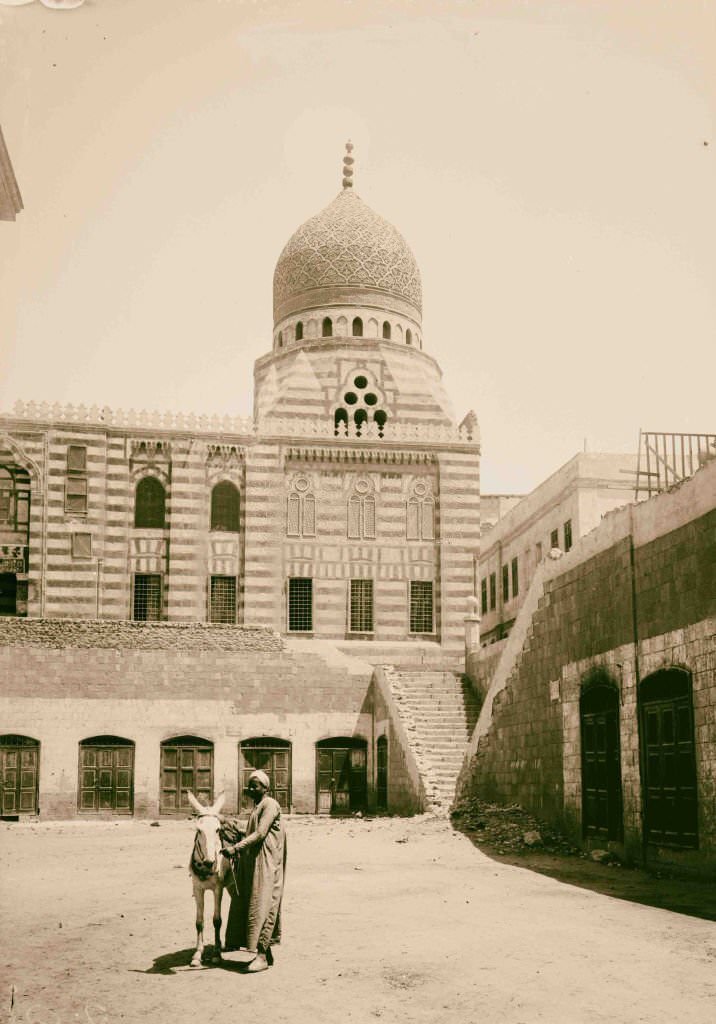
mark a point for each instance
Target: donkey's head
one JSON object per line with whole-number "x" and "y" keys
{"x": 207, "y": 844}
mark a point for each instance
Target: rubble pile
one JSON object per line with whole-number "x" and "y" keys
{"x": 508, "y": 830}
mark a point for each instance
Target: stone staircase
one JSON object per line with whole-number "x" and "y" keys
{"x": 438, "y": 711}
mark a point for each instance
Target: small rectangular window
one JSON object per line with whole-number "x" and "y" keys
{"x": 421, "y": 606}
{"x": 483, "y": 596}
{"x": 76, "y": 494}
{"x": 81, "y": 545}
{"x": 493, "y": 591}
{"x": 568, "y": 535}
{"x": 361, "y": 610}
{"x": 515, "y": 578}
{"x": 147, "y": 597}
{"x": 76, "y": 458}
{"x": 222, "y": 599}
{"x": 505, "y": 583}
{"x": 538, "y": 551}
{"x": 554, "y": 539}
{"x": 300, "y": 604}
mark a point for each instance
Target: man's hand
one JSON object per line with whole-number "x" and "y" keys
{"x": 228, "y": 850}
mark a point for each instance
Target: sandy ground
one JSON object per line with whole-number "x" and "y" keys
{"x": 403, "y": 920}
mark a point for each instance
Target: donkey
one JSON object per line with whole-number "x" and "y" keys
{"x": 209, "y": 870}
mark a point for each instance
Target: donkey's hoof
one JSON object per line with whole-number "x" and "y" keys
{"x": 195, "y": 961}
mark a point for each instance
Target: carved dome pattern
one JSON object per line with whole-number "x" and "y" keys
{"x": 347, "y": 244}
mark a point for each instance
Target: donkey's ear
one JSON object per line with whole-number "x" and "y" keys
{"x": 199, "y": 808}
{"x": 218, "y": 803}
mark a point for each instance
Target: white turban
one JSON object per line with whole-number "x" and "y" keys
{"x": 261, "y": 777}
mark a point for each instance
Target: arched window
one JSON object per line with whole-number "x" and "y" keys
{"x": 669, "y": 758}
{"x": 299, "y": 331}
{"x": 408, "y": 337}
{"x": 420, "y": 520}
{"x": 357, "y": 327}
{"x": 150, "y": 504}
{"x": 327, "y": 327}
{"x": 340, "y": 423}
{"x": 386, "y": 330}
{"x": 225, "y": 507}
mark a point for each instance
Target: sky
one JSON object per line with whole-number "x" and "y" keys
{"x": 551, "y": 165}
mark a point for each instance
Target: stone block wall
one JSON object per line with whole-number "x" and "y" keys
{"x": 635, "y": 596}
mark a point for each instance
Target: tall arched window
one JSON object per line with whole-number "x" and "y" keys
{"x": 386, "y": 330}
{"x": 357, "y": 327}
{"x": 150, "y": 504}
{"x": 299, "y": 331}
{"x": 225, "y": 507}
{"x": 408, "y": 337}
{"x": 327, "y": 327}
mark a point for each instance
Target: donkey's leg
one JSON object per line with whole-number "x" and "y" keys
{"x": 218, "y": 893}
{"x": 199, "y": 897}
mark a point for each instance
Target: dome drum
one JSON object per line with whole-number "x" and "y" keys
{"x": 355, "y": 322}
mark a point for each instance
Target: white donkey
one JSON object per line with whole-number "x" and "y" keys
{"x": 208, "y": 868}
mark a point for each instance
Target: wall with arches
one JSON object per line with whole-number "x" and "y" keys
{"x": 348, "y": 322}
{"x": 634, "y": 598}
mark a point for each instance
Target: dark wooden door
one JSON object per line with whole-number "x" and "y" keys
{"x": 601, "y": 764}
{"x": 8, "y": 593}
{"x": 19, "y": 762}
{"x": 106, "y": 776}
{"x": 341, "y": 777}
{"x": 381, "y": 782}
{"x": 187, "y": 763}
{"x": 671, "y": 807}
{"x": 274, "y": 758}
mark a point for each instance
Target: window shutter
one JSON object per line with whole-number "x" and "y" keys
{"x": 412, "y": 520}
{"x": 369, "y": 518}
{"x": 292, "y": 526}
{"x": 353, "y": 518}
{"x": 428, "y": 519}
{"x": 309, "y": 516}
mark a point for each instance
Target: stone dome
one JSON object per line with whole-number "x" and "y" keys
{"x": 346, "y": 253}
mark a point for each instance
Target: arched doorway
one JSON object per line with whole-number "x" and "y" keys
{"x": 19, "y": 764}
{"x": 668, "y": 758}
{"x": 187, "y": 763}
{"x": 341, "y": 775}
{"x": 381, "y": 772}
{"x": 601, "y": 760}
{"x": 272, "y": 756}
{"x": 106, "y": 776}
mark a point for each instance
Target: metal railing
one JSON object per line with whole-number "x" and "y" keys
{"x": 665, "y": 459}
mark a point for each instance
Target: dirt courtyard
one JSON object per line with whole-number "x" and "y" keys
{"x": 396, "y": 919}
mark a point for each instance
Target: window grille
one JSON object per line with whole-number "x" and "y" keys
{"x": 300, "y": 604}
{"x": 515, "y": 578}
{"x": 421, "y": 606}
{"x": 568, "y": 535}
{"x": 150, "y": 504}
{"x": 147, "y": 597}
{"x": 81, "y": 545}
{"x": 225, "y": 507}
{"x": 361, "y": 609}
{"x": 76, "y": 484}
{"x": 222, "y": 599}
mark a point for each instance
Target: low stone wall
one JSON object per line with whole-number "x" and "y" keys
{"x": 101, "y": 634}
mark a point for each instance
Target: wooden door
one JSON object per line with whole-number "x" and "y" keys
{"x": 106, "y": 776}
{"x": 381, "y": 782}
{"x": 341, "y": 770}
{"x": 187, "y": 763}
{"x": 19, "y": 763}
{"x": 601, "y": 764}
{"x": 272, "y": 756}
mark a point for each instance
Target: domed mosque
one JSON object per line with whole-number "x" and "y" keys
{"x": 347, "y": 287}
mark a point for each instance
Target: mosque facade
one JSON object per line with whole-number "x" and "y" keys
{"x": 346, "y": 509}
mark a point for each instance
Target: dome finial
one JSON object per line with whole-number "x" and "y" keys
{"x": 348, "y": 162}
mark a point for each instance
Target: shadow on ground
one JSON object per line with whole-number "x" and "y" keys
{"x": 180, "y": 961}
{"x": 498, "y": 832}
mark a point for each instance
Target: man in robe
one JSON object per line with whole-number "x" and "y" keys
{"x": 255, "y": 913}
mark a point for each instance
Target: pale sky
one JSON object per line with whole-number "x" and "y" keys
{"x": 551, "y": 165}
